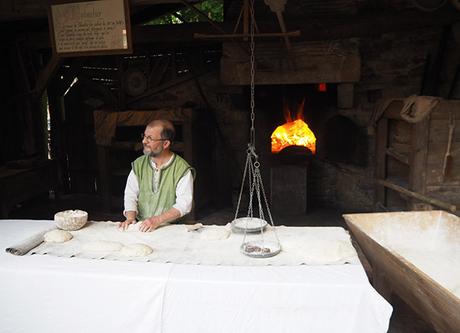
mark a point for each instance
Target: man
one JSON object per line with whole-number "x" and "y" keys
{"x": 159, "y": 188}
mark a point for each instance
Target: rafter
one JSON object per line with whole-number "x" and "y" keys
{"x": 368, "y": 25}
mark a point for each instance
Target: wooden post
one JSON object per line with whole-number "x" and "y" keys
{"x": 104, "y": 187}
{"x": 187, "y": 139}
{"x": 380, "y": 161}
{"x": 246, "y": 18}
{"x": 345, "y": 94}
{"x": 417, "y": 161}
{"x": 46, "y": 73}
{"x": 121, "y": 80}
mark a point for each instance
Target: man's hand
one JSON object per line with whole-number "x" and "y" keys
{"x": 150, "y": 224}
{"x": 124, "y": 225}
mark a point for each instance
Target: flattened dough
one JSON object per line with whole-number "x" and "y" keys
{"x": 331, "y": 252}
{"x": 57, "y": 236}
{"x": 102, "y": 246}
{"x": 214, "y": 233}
{"x": 321, "y": 251}
{"x": 136, "y": 250}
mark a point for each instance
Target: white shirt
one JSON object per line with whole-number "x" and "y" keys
{"x": 184, "y": 190}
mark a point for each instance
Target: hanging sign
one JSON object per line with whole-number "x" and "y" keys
{"x": 90, "y": 28}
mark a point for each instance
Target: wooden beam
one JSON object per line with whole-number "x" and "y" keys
{"x": 305, "y": 64}
{"x": 140, "y": 15}
{"x": 165, "y": 86}
{"x": 418, "y": 155}
{"x": 397, "y": 156}
{"x": 202, "y": 14}
{"x": 418, "y": 196}
{"x": 45, "y": 74}
{"x": 418, "y": 158}
{"x": 246, "y": 17}
{"x": 159, "y": 2}
{"x": 435, "y": 65}
{"x": 213, "y": 23}
{"x": 21, "y": 69}
{"x": 381, "y": 145}
{"x": 314, "y": 29}
{"x": 245, "y": 36}
{"x": 311, "y": 29}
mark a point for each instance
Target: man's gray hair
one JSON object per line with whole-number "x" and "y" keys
{"x": 167, "y": 129}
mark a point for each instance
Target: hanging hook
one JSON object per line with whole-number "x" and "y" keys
{"x": 252, "y": 150}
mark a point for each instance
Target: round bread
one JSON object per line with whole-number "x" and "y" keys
{"x": 57, "y": 236}
{"x": 71, "y": 219}
{"x": 214, "y": 233}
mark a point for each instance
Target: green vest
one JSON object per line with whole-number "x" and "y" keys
{"x": 150, "y": 202}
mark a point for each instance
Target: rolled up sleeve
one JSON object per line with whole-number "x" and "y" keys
{"x": 184, "y": 194}
{"x": 131, "y": 193}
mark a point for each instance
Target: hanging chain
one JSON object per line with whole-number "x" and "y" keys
{"x": 253, "y": 74}
{"x": 252, "y": 166}
{"x": 242, "y": 186}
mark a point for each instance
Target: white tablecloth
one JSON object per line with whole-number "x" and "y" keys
{"x": 51, "y": 294}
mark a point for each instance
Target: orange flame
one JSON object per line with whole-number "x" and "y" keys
{"x": 293, "y": 132}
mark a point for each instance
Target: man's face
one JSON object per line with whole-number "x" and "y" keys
{"x": 152, "y": 142}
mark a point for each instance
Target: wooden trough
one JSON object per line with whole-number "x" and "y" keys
{"x": 417, "y": 256}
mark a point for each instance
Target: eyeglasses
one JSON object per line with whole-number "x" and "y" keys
{"x": 149, "y": 138}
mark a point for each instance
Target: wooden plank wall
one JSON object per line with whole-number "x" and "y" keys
{"x": 422, "y": 157}
{"x": 444, "y": 184}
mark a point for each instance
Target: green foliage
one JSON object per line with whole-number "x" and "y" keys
{"x": 214, "y": 9}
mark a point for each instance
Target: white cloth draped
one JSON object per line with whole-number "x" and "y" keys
{"x": 55, "y": 294}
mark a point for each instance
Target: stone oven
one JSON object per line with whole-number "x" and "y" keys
{"x": 310, "y": 81}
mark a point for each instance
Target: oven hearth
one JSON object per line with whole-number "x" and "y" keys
{"x": 288, "y": 181}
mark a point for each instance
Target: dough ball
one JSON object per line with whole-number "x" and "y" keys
{"x": 136, "y": 250}
{"x": 214, "y": 233}
{"x": 133, "y": 227}
{"x": 102, "y": 246}
{"x": 193, "y": 227}
{"x": 57, "y": 236}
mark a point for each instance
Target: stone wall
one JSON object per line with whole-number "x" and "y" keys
{"x": 392, "y": 66}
